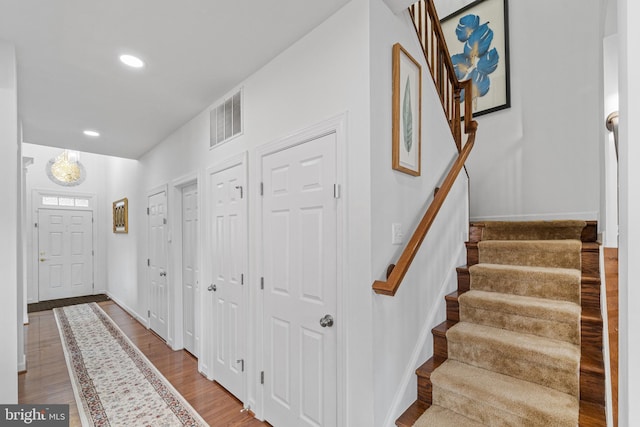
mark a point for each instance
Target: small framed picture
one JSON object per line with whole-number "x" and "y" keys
{"x": 478, "y": 40}
{"x": 407, "y": 111}
{"x": 121, "y": 216}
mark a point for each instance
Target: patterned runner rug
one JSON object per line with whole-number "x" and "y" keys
{"x": 114, "y": 383}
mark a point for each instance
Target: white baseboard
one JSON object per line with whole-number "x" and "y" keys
{"x": 395, "y": 410}
{"x": 143, "y": 320}
{"x": 22, "y": 363}
{"x": 586, "y": 216}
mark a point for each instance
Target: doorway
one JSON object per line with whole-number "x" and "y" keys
{"x": 226, "y": 301}
{"x": 65, "y": 253}
{"x": 299, "y": 252}
{"x": 190, "y": 269}
{"x": 157, "y": 263}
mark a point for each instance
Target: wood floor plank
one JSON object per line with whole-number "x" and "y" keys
{"x": 47, "y": 380}
{"x": 611, "y": 279}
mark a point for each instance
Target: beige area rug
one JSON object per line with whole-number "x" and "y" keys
{"x": 114, "y": 383}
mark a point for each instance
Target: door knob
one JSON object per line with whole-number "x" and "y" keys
{"x": 326, "y": 321}
{"x": 212, "y": 287}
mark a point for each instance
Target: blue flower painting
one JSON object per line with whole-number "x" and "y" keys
{"x": 478, "y": 59}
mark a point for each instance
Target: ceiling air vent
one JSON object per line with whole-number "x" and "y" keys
{"x": 226, "y": 119}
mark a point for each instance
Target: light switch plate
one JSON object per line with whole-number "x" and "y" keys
{"x": 397, "y": 235}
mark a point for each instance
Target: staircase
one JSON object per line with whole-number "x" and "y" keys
{"x": 522, "y": 343}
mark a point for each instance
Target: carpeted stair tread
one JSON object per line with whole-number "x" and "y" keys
{"x": 494, "y": 399}
{"x": 437, "y": 416}
{"x": 541, "y": 253}
{"x": 540, "y": 360}
{"x": 559, "y": 320}
{"x": 533, "y": 230}
{"x": 533, "y": 281}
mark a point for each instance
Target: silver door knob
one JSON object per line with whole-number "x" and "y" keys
{"x": 326, "y": 321}
{"x": 212, "y": 288}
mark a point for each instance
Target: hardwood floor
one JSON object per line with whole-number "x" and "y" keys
{"x": 47, "y": 379}
{"x": 611, "y": 279}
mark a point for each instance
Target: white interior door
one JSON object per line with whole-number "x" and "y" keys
{"x": 65, "y": 249}
{"x": 190, "y": 285}
{"x": 229, "y": 244}
{"x": 157, "y": 263}
{"x": 299, "y": 255}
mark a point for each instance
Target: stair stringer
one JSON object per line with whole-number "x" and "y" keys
{"x": 406, "y": 392}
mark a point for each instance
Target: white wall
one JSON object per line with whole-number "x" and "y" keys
{"x": 122, "y": 249}
{"x": 540, "y": 158}
{"x": 609, "y": 203}
{"x": 402, "y": 324}
{"x": 629, "y": 252}
{"x": 96, "y": 167}
{"x": 323, "y": 75}
{"x": 9, "y": 219}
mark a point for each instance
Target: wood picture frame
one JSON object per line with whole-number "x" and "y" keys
{"x": 406, "y": 112}
{"x": 121, "y": 216}
{"x": 477, "y": 37}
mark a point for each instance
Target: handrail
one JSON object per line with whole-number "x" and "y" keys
{"x": 427, "y": 25}
{"x": 391, "y": 285}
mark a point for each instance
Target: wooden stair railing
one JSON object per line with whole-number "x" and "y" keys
{"x": 449, "y": 88}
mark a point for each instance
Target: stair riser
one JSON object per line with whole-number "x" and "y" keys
{"x": 453, "y": 310}
{"x": 518, "y": 283}
{"x": 540, "y": 327}
{"x": 440, "y": 350}
{"x": 479, "y": 412}
{"x": 590, "y": 259}
{"x": 425, "y": 390}
{"x": 589, "y": 232}
{"x": 564, "y": 378}
{"x": 464, "y": 279}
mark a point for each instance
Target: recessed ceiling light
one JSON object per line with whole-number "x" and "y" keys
{"x": 132, "y": 61}
{"x": 91, "y": 133}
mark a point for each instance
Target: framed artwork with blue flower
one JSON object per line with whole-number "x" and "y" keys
{"x": 478, "y": 42}
{"x": 406, "y": 112}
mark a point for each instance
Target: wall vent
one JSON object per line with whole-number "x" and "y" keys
{"x": 225, "y": 120}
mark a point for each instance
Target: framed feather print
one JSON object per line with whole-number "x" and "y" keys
{"x": 407, "y": 110}
{"x": 478, "y": 41}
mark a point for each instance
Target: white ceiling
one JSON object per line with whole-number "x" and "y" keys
{"x": 70, "y": 79}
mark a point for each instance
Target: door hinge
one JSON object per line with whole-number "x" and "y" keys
{"x": 148, "y": 313}
{"x": 242, "y": 278}
{"x": 92, "y": 253}
{"x": 147, "y": 211}
{"x": 262, "y": 283}
{"x": 261, "y": 189}
{"x": 336, "y": 191}
{"x": 261, "y": 377}
{"x": 164, "y": 221}
{"x": 148, "y": 262}
{"x": 35, "y": 224}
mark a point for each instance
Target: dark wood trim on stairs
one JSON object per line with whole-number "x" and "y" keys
{"x": 592, "y": 379}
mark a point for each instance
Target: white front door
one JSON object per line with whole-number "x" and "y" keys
{"x": 65, "y": 249}
{"x": 157, "y": 263}
{"x": 228, "y": 225}
{"x": 190, "y": 285}
{"x": 299, "y": 256}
